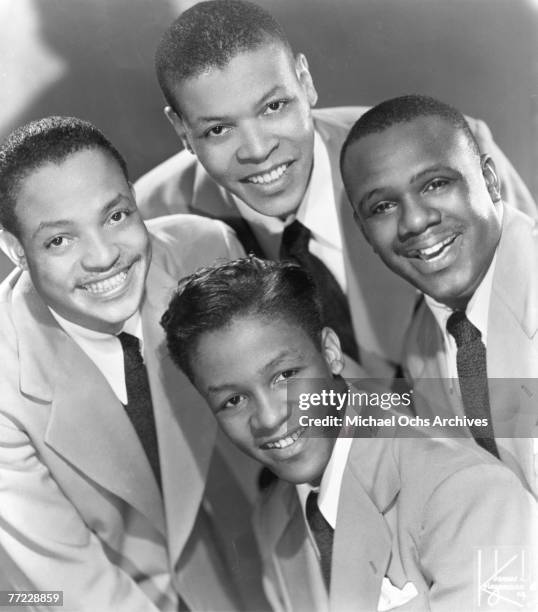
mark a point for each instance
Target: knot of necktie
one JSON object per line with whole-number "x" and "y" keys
{"x": 463, "y": 331}
{"x": 131, "y": 346}
{"x": 295, "y": 240}
{"x": 336, "y": 311}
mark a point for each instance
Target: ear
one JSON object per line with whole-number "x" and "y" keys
{"x": 179, "y": 127}
{"x": 11, "y": 247}
{"x": 489, "y": 172}
{"x": 332, "y": 351}
{"x": 305, "y": 78}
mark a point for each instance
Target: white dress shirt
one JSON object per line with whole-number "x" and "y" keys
{"x": 317, "y": 212}
{"x": 328, "y": 498}
{"x": 104, "y": 349}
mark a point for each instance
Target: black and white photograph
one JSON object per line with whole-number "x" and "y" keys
{"x": 269, "y": 305}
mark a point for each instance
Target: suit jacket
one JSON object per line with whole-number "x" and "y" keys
{"x": 411, "y": 510}
{"x": 512, "y": 350}
{"x": 381, "y": 303}
{"x": 80, "y": 509}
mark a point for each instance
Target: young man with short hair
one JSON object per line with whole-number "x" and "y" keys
{"x": 428, "y": 200}
{"x": 267, "y": 164}
{"x": 390, "y": 521}
{"x": 106, "y": 453}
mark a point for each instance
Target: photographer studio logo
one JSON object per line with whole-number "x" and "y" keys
{"x": 504, "y": 578}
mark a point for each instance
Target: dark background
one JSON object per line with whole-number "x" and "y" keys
{"x": 94, "y": 59}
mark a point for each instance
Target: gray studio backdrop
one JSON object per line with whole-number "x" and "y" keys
{"x": 94, "y": 59}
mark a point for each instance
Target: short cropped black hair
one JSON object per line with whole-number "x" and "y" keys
{"x": 208, "y": 35}
{"x": 404, "y": 109}
{"x": 47, "y": 140}
{"x": 213, "y": 297}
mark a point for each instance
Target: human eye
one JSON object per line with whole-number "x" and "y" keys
{"x": 57, "y": 242}
{"x": 286, "y": 375}
{"x": 216, "y": 130}
{"x": 380, "y": 208}
{"x": 119, "y": 215}
{"x": 234, "y": 402}
{"x": 436, "y": 184}
{"x": 275, "y": 106}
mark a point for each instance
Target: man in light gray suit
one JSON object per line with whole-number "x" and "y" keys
{"x": 428, "y": 200}
{"x": 112, "y": 489}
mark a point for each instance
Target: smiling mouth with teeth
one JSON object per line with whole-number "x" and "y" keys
{"x": 107, "y": 285}
{"x": 286, "y": 441}
{"x": 268, "y": 177}
{"x": 435, "y": 250}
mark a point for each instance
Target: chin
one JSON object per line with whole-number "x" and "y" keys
{"x": 277, "y": 209}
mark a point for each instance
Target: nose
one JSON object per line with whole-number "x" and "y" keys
{"x": 415, "y": 217}
{"x": 257, "y": 143}
{"x": 270, "y": 413}
{"x": 100, "y": 253}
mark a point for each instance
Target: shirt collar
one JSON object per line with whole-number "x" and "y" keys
{"x": 133, "y": 326}
{"x": 477, "y": 310}
{"x": 315, "y": 210}
{"x": 331, "y": 482}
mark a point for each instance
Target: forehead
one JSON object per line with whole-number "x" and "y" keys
{"x": 73, "y": 187}
{"x": 244, "y": 80}
{"x": 407, "y": 148}
{"x": 248, "y": 344}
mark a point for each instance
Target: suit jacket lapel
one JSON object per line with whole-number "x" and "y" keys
{"x": 287, "y": 544}
{"x": 186, "y": 430}
{"x": 378, "y": 331}
{"x": 362, "y": 540}
{"x": 87, "y": 424}
{"x": 512, "y": 351}
{"x": 210, "y": 200}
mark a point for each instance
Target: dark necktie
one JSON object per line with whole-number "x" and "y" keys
{"x": 336, "y": 313}
{"x": 323, "y": 534}
{"x": 139, "y": 407}
{"x": 473, "y": 378}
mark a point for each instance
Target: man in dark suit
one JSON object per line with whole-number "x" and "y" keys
{"x": 428, "y": 200}
{"x": 258, "y": 157}
{"x": 112, "y": 490}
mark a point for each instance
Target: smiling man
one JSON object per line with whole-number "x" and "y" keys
{"x": 391, "y": 522}
{"x": 100, "y": 437}
{"x": 429, "y": 202}
{"x": 260, "y": 158}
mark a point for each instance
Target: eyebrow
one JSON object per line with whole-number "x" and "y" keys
{"x": 62, "y": 223}
{"x": 437, "y": 168}
{"x": 224, "y": 119}
{"x": 285, "y": 354}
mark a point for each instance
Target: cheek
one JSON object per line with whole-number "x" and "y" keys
{"x": 238, "y": 430}
{"x": 381, "y": 236}
{"x": 216, "y": 159}
{"x": 51, "y": 273}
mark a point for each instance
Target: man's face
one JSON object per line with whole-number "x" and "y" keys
{"x": 250, "y": 125}
{"x": 424, "y": 201}
{"x": 84, "y": 243}
{"x": 243, "y": 371}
